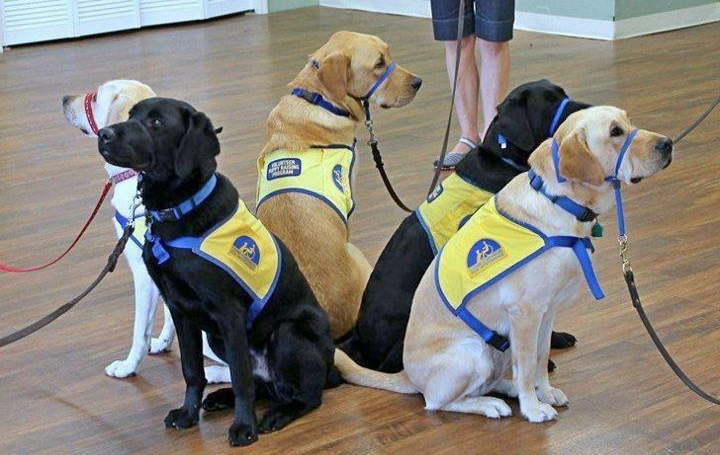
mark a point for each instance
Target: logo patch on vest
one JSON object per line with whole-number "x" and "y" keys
{"x": 245, "y": 249}
{"x": 286, "y": 167}
{"x": 436, "y": 192}
{"x": 483, "y": 253}
{"x": 337, "y": 177}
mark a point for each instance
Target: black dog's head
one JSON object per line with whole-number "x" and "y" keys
{"x": 524, "y": 118}
{"x": 165, "y": 138}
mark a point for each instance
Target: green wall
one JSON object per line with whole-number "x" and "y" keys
{"x": 586, "y": 9}
{"x": 282, "y": 5}
{"x": 605, "y": 9}
{"x": 625, "y": 9}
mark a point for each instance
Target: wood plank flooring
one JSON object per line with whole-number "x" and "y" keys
{"x": 54, "y": 397}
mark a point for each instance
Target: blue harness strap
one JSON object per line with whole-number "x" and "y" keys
{"x": 185, "y": 207}
{"x": 318, "y": 100}
{"x": 123, "y": 223}
{"x": 189, "y": 243}
{"x": 491, "y": 337}
{"x": 579, "y": 211}
{"x": 558, "y": 115}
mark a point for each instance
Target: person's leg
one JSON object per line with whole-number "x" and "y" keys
{"x": 466, "y": 97}
{"x": 494, "y": 77}
{"x": 494, "y": 26}
{"x": 445, "y": 25}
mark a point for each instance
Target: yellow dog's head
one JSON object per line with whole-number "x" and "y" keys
{"x": 589, "y": 145}
{"x": 350, "y": 64}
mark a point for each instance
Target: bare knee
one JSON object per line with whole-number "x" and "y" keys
{"x": 490, "y": 49}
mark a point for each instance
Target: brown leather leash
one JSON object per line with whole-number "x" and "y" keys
{"x": 629, "y": 276}
{"x": 109, "y": 267}
{"x": 373, "y": 143}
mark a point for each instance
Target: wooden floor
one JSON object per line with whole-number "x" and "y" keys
{"x": 54, "y": 397}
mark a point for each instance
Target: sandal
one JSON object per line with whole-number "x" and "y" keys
{"x": 453, "y": 158}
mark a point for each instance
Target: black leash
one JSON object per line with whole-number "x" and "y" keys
{"x": 697, "y": 122}
{"x": 438, "y": 168}
{"x": 635, "y": 297}
{"x": 373, "y": 143}
{"x": 109, "y": 267}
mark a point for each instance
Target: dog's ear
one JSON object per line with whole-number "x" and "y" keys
{"x": 513, "y": 121}
{"x": 198, "y": 145}
{"x": 577, "y": 162}
{"x": 332, "y": 73}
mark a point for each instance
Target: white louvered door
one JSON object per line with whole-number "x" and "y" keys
{"x": 101, "y": 16}
{"x": 214, "y": 8}
{"x": 154, "y": 12}
{"x": 29, "y": 21}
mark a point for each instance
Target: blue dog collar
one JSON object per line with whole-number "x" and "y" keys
{"x": 558, "y": 115}
{"x": 185, "y": 207}
{"x": 365, "y": 99}
{"x": 318, "y": 100}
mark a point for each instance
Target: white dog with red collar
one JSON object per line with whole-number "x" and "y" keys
{"x": 111, "y": 103}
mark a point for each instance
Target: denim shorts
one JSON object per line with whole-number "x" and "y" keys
{"x": 490, "y": 20}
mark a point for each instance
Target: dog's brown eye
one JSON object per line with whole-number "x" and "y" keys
{"x": 616, "y": 131}
{"x": 156, "y": 123}
{"x": 380, "y": 63}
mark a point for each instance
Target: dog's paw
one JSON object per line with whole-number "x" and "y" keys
{"x": 274, "y": 420}
{"x": 121, "y": 369}
{"x": 217, "y": 374}
{"x": 562, "y": 340}
{"x": 181, "y": 418}
{"x": 159, "y": 346}
{"x": 494, "y": 408}
{"x": 552, "y": 396}
{"x": 242, "y": 435}
{"x": 538, "y": 412}
{"x": 219, "y": 399}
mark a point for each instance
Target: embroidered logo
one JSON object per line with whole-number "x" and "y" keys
{"x": 436, "y": 192}
{"x": 337, "y": 176}
{"x": 247, "y": 251}
{"x": 285, "y": 167}
{"x": 482, "y": 254}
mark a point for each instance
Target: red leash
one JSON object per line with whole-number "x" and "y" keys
{"x": 106, "y": 189}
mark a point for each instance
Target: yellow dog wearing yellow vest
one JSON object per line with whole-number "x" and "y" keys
{"x": 322, "y": 112}
{"x": 486, "y": 305}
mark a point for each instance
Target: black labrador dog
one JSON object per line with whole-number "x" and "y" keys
{"x": 286, "y": 355}
{"x": 524, "y": 121}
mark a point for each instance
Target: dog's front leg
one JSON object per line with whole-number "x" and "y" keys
{"x": 190, "y": 340}
{"x": 545, "y": 392}
{"x": 146, "y": 298}
{"x": 244, "y": 430}
{"x": 524, "y": 328}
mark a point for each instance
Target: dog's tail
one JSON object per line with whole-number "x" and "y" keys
{"x": 355, "y": 374}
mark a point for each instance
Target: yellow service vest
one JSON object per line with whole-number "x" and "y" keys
{"x": 323, "y": 172}
{"x": 487, "y": 248}
{"x": 446, "y": 209}
{"x": 242, "y": 247}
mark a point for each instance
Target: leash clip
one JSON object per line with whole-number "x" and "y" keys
{"x": 623, "y": 241}
{"x": 371, "y": 131}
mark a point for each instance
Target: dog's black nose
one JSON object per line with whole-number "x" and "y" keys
{"x": 664, "y": 146}
{"x": 106, "y": 134}
{"x": 66, "y": 100}
{"x": 416, "y": 83}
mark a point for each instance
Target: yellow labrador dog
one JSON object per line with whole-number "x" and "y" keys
{"x": 456, "y": 347}
{"x": 307, "y": 164}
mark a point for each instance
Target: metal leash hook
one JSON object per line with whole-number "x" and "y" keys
{"x": 623, "y": 241}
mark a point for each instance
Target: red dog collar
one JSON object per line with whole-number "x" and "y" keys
{"x": 89, "y": 112}
{"x": 121, "y": 177}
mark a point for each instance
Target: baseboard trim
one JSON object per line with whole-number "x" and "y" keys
{"x": 559, "y": 25}
{"x": 670, "y": 20}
